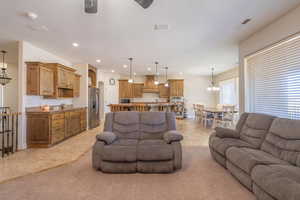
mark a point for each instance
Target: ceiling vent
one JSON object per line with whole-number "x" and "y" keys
{"x": 91, "y": 6}
{"x": 144, "y": 3}
{"x": 159, "y": 27}
{"x": 246, "y": 21}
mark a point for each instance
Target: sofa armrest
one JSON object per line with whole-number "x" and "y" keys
{"x": 226, "y": 133}
{"x": 172, "y": 136}
{"x": 106, "y": 137}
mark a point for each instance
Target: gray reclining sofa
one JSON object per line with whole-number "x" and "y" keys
{"x": 145, "y": 142}
{"x": 263, "y": 153}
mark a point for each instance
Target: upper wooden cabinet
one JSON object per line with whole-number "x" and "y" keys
{"x": 76, "y": 86}
{"x": 176, "y": 87}
{"x": 137, "y": 90}
{"x": 40, "y": 79}
{"x": 63, "y": 80}
{"x": 52, "y": 80}
{"x": 125, "y": 89}
{"x": 163, "y": 91}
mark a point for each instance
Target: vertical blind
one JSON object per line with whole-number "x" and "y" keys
{"x": 274, "y": 80}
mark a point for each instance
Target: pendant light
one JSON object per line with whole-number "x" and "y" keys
{"x": 4, "y": 79}
{"x": 131, "y": 78}
{"x": 212, "y": 87}
{"x": 156, "y": 82}
{"x": 167, "y": 82}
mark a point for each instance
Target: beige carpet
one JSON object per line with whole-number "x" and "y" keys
{"x": 200, "y": 178}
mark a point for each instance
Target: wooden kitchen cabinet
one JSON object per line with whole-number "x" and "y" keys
{"x": 52, "y": 80}
{"x": 125, "y": 89}
{"x": 176, "y": 87}
{"x": 138, "y": 90}
{"x": 65, "y": 77}
{"x": 45, "y": 129}
{"x": 40, "y": 79}
{"x": 64, "y": 80}
{"x": 163, "y": 91}
{"x": 76, "y": 86}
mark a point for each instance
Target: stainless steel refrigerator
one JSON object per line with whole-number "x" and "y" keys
{"x": 94, "y": 108}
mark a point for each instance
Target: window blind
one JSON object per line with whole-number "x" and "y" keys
{"x": 274, "y": 80}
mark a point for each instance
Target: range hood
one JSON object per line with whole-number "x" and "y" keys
{"x": 149, "y": 86}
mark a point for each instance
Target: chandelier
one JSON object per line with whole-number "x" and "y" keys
{"x": 213, "y": 87}
{"x": 156, "y": 82}
{"x": 4, "y": 79}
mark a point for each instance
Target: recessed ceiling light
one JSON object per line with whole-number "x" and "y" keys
{"x": 125, "y": 66}
{"x": 113, "y": 71}
{"x": 149, "y": 69}
{"x": 98, "y": 61}
{"x": 75, "y": 44}
{"x": 31, "y": 15}
{"x": 134, "y": 73}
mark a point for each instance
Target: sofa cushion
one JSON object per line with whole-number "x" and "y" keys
{"x": 283, "y": 140}
{"x": 123, "y": 150}
{"x": 126, "y": 125}
{"x": 221, "y": 145}
{"x": 153, "y": 125}
{"x": 154, "y": 150}
{"x": 279, "y": 181}
{"x": 256, "y": 128}
{"x": 247, "y": 159}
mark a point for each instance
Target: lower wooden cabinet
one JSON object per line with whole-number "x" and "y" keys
{"x": 47, "y": 129}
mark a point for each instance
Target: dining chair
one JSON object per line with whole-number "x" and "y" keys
{"x": 228, "y": 116}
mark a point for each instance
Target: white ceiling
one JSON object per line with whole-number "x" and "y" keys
{"x": 202, "y": 34}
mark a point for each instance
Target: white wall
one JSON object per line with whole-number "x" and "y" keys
{"x": 111, "y": 92}
{"x": 281, "y": 29}
{"x": 82, "y": 100}
{"x": 195, "y": 91}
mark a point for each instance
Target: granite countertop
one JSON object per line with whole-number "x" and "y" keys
{"x": 39, "y": 110}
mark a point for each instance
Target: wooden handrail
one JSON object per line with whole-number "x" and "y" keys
{"x": 10, "y": 114}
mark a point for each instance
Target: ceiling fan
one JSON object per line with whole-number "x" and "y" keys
{"x": 144, "y": 3}
{"x": 91, "y": 6}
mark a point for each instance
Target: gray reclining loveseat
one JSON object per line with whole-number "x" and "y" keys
{"x": 144, "y": 142}
{"x": 263, "y": 153}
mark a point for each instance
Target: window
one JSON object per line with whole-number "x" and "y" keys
{"x": 229, "y": 92}
{"x": 273, "y": 80}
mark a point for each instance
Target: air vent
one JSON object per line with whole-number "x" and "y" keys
{"x": 162, "y": 27}
{"x": 91, "y": 6}
{"x": 246, "y": 21}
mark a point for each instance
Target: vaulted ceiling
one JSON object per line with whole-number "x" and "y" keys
{"x": 201, "y": 33}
